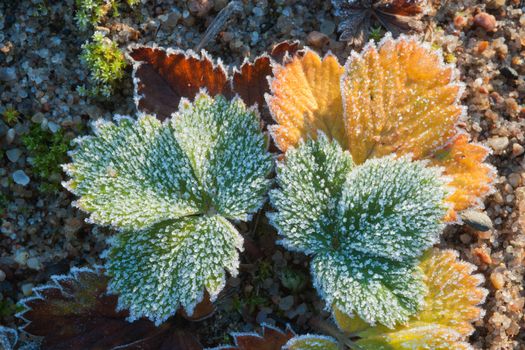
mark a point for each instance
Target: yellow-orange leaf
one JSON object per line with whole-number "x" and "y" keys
{"x": 398, "y": 98}
{"x": 463, "y": 162}
{"x": 451, "y": 305}
{"x": 306, "y": 97}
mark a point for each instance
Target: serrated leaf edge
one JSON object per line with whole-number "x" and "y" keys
{"x": 73, "y": 274}
{"x": 307, "y": 336}
{"x": 265, "y": 326}
{"x": 204, "y": 55}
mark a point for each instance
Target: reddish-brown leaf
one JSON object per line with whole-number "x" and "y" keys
{"x": 162, "y": 77}
{"x": 286, "y": 49}
{"x": 74, "y": 312}
{"x": 271, "y": 339}
{"x": 251, "y": 83}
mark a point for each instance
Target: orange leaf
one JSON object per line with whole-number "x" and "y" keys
{"x": 463, "y": 162}
{"x": 306, "y": 98}
{"x": 398, "y": 98}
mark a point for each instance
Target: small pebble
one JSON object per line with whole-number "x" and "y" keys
{"x": 21, "y": 257}
{"x": 460, "y": 21}
{"x": 514, "y": 180}
{"x": 495, "y": 4}
{"x": 261, "y": 317}
{"x": 517, "y": 149}
{"x": 286, "y": 303}
{"x": 317, "y": 39}
{"x": 10, "y": 137}
{"x": 27, "y": 289}
{"x": 53, "y": 127}
{"x": 34, "y": 263}
{"x": 13, "y": 154}
{"x": 509, "y": 72}
{"x": 327, "y": 27}
{"x": 8, "y": 74}
{"x": 485, "y": 21}
{"x": 498, "y": 144}
{"x": 172, "y": 19}
{"x": 477, "y": 220}
{"x": 497, "y": 280}
{"x": 21, "y": 178}
{"x": 200, "y": 8}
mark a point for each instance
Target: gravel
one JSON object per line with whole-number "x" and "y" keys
{"x": 21, "y": 178}
{"x": 40, "y": 74}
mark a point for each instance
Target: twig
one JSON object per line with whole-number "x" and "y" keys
{"x": 218, "y": 23}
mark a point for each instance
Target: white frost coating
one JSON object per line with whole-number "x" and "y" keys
{"x": 8, "y": 338}
{"x": 225, "y": 147}
{"x": 365, "y": 226}
{"x": 166, "y": 186}
{"x": 157, "y": 270}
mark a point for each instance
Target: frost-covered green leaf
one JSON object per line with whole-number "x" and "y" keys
{"x": 133, "y": 174}
{"x": 391, "y": 208}
{"x": 171, "y": 187}
{"x": 365, "y": 226}
{"x": 226, "y": 153}
{"x": 312, "y": 342}
{"x": 171, "y": 264}
{"x": 8, "y": 338}
{"x": 310, "y": 183}
{"x": 375, "y": 288}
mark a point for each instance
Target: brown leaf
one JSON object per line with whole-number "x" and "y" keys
{"x": 162, "y": 77}
{"x": 271, "y": 339}
{"x": 202, "y": 311}
{"x": 251, "y": 80}
{"x": 404, "y": 7}
{"x": 251, "y": 83}
{"x": 285, "y": 50}
{"x": 74, "y": 312}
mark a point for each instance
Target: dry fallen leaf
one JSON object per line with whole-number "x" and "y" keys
{"x": 397, "y": 16}
{"x": 163, "y": 76}
{"x": 74, "y": 312}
